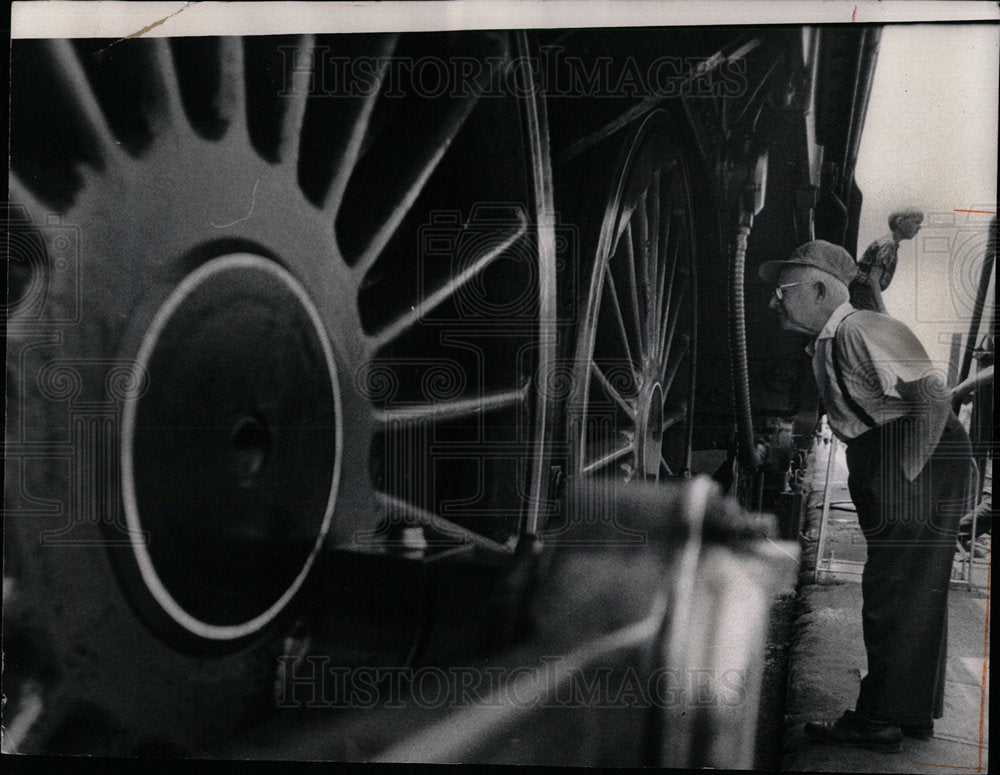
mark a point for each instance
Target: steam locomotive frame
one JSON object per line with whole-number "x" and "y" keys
{"x": 310, "y": 334}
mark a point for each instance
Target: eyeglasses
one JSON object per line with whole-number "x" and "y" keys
{"x": 779, "y": 291}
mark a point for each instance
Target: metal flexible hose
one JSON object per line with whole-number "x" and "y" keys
{"x": 747, "y": 451}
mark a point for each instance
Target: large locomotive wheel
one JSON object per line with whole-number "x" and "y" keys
{"x": 631, "y": 411}
{"x": 264, "y": 326}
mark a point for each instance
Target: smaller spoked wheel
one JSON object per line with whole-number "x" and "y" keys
{"x": 632, "y": 406}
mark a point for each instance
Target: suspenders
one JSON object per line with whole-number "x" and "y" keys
{"x": 848, "y": 399}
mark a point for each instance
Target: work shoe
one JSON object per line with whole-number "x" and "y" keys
{"x": 918, "y": 733}
{"x": 857, "y": 732}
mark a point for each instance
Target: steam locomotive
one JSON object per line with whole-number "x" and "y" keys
{"x": 338, "y": 351}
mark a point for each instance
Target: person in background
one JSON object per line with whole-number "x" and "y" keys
{"x": 982, "y": 515}
{"x": 908, "y": 461}
{"x": 878, "y": 264}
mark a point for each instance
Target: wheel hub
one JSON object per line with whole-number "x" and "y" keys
{"x": 250, "y": 445}
{"x": 231, "y": 450}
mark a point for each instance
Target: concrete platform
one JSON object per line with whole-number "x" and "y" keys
{"x": 827, "y": 657}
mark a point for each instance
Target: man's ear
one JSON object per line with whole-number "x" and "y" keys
{"x": 820, "y": 287}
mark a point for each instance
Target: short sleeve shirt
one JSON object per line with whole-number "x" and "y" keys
{"x": 882, "y": 254}
{"x": 877, "y": 355}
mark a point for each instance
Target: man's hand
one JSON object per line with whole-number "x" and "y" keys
{"x": 983, "y": 515}
{"x": 967, "y": 387}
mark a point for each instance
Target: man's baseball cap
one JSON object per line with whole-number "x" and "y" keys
{"x": 832, "y": 259}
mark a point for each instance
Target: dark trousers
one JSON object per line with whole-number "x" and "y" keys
{"x": 910, "y": 530}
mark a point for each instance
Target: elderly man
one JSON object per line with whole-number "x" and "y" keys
{"x": 878, "y": 265}
{"x": 908, "y": 459}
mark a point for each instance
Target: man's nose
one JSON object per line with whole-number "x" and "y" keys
{"x": 773, "y": 303}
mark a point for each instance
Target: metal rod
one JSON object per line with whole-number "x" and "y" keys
{"x": 977, "y": 310}
{"x": 977, "y": 489}
{"x": 827, "y": 496}
{"x": 736, "y": 51}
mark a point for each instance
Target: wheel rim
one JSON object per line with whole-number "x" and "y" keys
{"x": 632, "y": 408}
{"x": 203, "y": 568}
{"x": 179, "y": 170}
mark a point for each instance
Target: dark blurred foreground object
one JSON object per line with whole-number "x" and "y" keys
{"x": 647, "y": 624}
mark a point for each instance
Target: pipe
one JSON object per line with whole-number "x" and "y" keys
{"x": 751, "y": 203}
{"x": 746, "y": 448}
{"x": 864, "y": 77}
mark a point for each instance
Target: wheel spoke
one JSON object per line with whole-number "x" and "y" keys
{"x": 624, "y": 223}
{"x": 618, "y": 313}
{"x": 454, "y": 410}
{"x": 166, "y": 112}
{"x": 653, "y": 221}
{"x": 607, "y": 459}
{"x": 664, "y": 280}
{"x": 641, "y": 222}
{"x": 670, "y": 419}
{"x": 232, "y": 80}
{"x": 290, "y": 132}
{"x": 352, "y": 151}
{"x": 79, "y": 91}
{"x": 672, "y": 314}
{"x": 633, "y": 285}
{"x": 406, "y": 194}
{"x": 18, "y": 193}
{"x": 412, "y": 513}
{"x": 666, "y": 301}
{"x": 610, "y": 390}
{"x": 448, "y": 289}
{"x": 671, "y": 367}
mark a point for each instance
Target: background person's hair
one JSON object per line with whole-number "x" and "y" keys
{"x": 904, "y": 213}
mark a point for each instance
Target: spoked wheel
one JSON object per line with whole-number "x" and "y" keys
{"x": 280, "y": 311}
{"x": 632, "y": 407}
